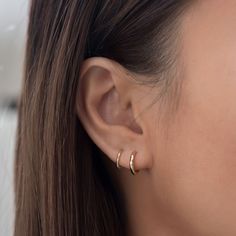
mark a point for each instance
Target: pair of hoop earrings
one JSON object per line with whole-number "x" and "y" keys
{"x": 131, "y": 161}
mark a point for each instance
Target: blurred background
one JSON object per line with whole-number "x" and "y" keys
{"x": 13, "y": 24}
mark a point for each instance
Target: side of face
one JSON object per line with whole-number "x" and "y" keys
{"x": 195, "y": 164}
{"x": 189, "y": 155}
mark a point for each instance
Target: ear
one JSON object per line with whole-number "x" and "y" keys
{"x": 108, "y": 103}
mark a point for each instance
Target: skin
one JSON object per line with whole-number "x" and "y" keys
{"x": 187, "y": 159}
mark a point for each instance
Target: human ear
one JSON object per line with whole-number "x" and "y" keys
{"x": 107, "y": 105}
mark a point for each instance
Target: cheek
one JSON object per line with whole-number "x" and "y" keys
{"x": 195, "y": 164}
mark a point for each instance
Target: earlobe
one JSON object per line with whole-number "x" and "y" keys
{"x": 107, "y": 114}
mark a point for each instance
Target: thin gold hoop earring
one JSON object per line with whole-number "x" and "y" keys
{"x": 131, "y": 163}
{"x": 118, "y": 158}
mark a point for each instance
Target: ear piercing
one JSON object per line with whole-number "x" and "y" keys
{"x": 131, "y": 161}
{"x": 118, "y": 158}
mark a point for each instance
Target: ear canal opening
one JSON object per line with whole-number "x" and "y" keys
{"x": 134, "y": 125}
{"x": 127, "y": 118}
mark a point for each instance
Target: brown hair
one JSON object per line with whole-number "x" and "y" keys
{"x": 60, "y": 187}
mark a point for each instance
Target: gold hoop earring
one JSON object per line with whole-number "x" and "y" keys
{"x": 118, "y": 158}
{"x": 131, "y": 163}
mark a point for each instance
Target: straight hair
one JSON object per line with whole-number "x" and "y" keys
{"x": 61, "y": 184}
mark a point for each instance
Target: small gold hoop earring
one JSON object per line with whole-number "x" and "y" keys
{"x": 131, "y": 163}
{"x": 118, "y": 158}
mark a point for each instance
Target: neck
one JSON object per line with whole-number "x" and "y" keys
{"x": 146, "y": 214}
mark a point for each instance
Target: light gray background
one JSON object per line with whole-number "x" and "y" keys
{"x": 13, "y": 21}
